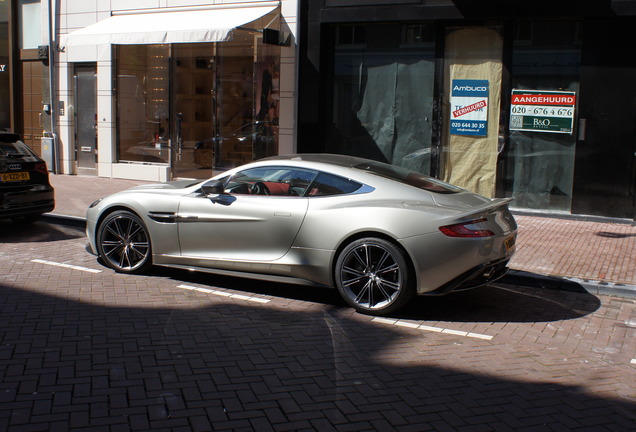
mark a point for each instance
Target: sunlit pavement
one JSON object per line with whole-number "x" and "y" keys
{"x": 84, "y": 348}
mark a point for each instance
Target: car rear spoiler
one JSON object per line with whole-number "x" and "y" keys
{"x": 485, "y": 208}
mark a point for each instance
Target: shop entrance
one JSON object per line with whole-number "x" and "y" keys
{"x": 202, "y": 108}
{"x": 605, "y": 175}
{"x": 86, "y": 118}
{"x": 225, "y": 106}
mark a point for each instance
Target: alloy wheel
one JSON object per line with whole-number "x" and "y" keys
{"x": 372, "y": 276}
{"x": 124, "y": 243}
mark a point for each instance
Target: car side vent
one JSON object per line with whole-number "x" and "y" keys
{"x": 163, "y": 217}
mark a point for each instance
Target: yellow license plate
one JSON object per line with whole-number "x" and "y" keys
{"x": 509, "y": 243}
{"x": 14, "y": 177}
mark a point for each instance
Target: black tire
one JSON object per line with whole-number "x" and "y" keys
{"x": 374, "y": 276}
{"x": 123, "y": 242}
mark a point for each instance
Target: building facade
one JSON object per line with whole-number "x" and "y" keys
{"x": 508, "y": 99}
{"x": 157, "y": 90}
{"x": 24, "y": 70}
{"x": 530, "y": 100}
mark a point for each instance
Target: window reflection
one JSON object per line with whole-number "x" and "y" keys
{"x": 540, "y": 165}
{"x": 198, "y": 106}
{"x": 142, "y": 103}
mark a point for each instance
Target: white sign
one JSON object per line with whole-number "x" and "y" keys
{"x": 469, "y": 107}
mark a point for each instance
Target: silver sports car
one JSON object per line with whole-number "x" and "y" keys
{"x": 379, "y": 233}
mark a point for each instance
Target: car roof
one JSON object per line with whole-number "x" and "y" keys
{"x": 9, "y": 137}
{"x": 343, "y": 161}
{"x": 332, "y": 159}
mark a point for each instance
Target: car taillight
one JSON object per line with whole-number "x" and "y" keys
{"x": 41, "y": 168}
{"x": 467, "y": 229}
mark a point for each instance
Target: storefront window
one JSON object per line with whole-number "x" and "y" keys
{"x": 5, "y": 100}
{"x": 540, "y": 164}
{"x": 30, "y": 13}
{"x": 143, "y": 109}
{"x": 382, "y": 104}
{"x": 198, "y": 106}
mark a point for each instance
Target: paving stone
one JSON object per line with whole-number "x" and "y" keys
{"x": 112, "y": 352}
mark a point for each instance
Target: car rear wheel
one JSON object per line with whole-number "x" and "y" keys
{"x": 373, "y": 276}
{"x": 123, "y": 242}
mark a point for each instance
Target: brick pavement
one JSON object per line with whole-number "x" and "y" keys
{"x": 100, "y": 351}
{"x": 595, "y": 251}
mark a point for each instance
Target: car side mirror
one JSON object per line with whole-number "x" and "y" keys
{"x": 213, "y": 187}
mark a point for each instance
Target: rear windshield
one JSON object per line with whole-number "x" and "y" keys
{"x": 408, "y": 177}
{"x": 17, "y": 148}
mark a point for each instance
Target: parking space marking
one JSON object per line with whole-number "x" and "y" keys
{"x": 225, "y": 294}
{"x": 423, "y": 327}
{"x": 69, "y": 266}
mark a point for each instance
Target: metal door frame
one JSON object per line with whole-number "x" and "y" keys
{"x": 89, "y": 68}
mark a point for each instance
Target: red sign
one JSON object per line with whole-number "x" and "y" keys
{"x": 543, "y": 99}
{"x": 469, "y": 108}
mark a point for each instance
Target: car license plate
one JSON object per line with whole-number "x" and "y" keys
{"x": 15, "y": 176}
{"x": 509, "y": 243}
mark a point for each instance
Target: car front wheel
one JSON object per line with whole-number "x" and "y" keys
{"x": 373, "y": 276}
{"x": 123, "y": 242}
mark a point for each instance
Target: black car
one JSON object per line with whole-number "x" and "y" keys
{"x": 25, "y": 191}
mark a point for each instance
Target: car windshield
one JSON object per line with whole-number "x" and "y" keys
{"x": 17, "y": 148}
{"x": 408, "y": 177}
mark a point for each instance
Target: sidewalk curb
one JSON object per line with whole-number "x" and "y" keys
{"x": 571, "y": 284}
{"x": 74, "y": 221}
{"x": 514, "y": 277}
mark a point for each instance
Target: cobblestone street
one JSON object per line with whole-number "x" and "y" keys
{"x": 84, "y": 348}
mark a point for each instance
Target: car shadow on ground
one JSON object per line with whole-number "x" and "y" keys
{"x": 37, "y": 232}
{"x": 491, "y": 303}
{"x": 75, "y": 365}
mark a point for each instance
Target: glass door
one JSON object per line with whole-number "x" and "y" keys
{"x": 546, "y": 60}
{"x": 234, "y": 103}
{"x": 193, "y": 92}
{"x": 86, "y": 118}
{"x": 605, "y": 171}
{"x": 247, "y": 100}
{"x": 225, "y": 104}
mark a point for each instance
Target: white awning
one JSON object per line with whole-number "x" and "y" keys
{"x": 161, "y": 26}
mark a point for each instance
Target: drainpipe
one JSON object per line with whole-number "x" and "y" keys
{"x": 53, "y": 84}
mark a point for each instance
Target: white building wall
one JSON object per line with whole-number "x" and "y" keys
{"x": 76, "y": 14}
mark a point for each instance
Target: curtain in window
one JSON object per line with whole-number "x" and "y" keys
{"x": 396, "y": 107}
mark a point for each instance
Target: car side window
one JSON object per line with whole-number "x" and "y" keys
{"x": 329, "y": 184}
{"x": 276, "y": 181}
